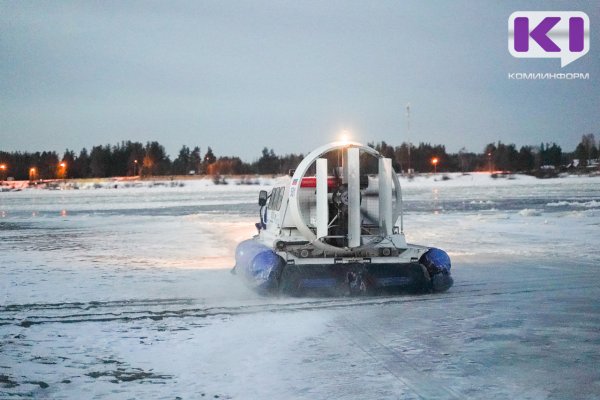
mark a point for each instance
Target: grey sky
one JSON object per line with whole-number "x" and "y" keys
{"x": 241, "y": 75}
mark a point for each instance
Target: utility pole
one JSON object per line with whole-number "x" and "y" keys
{"x": 408, "y": 134}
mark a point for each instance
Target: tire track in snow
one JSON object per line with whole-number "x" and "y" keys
{"x": 94, "y": 304}
{"x": 228, "y": 311}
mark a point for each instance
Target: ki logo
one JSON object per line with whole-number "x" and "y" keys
{"x": 549, "y": 34}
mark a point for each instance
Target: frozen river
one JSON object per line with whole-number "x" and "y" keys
{"x": 126, "y": 293}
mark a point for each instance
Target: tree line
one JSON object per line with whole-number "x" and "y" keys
{"x": 134, "y": 158}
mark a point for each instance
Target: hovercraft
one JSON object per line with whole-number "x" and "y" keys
{"x": 331, "y": 228}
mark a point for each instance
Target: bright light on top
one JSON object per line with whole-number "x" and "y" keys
{"x": 345, "y": 136}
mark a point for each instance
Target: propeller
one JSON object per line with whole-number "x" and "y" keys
{"x": 340, "y": 215}
{"x": 347, "y": 198}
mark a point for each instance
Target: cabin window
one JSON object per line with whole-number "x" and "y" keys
{"x": 279, "y": 198}
{"x": 276, "y": 198}
{"x": 272, "y": 198}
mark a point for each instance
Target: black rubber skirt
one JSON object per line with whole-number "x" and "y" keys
{"x": 355, "y": 279}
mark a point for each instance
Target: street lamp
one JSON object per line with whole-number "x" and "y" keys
{"x": 434, "y": 161}
{"x": 135, "y": 165}
{"x": 2, "y": 172}
{"x": 62, "y": 172}
{"x": 490, "y": 161}
{"x": 32, "y": 173}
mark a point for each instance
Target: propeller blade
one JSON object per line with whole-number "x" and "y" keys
{"x": 385, "y": 196}
{"x": 353, "y": 168}
{"x": 336, "y": 177}
{"x": 322, "y": 202}
{"x": 344, "y": 167}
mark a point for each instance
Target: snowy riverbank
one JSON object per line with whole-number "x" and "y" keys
{"x": 419, "y": 180}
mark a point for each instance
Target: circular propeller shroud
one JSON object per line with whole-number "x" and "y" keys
{"x": 295, "y": 210}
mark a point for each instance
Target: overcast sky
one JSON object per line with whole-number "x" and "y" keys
{"x": 289, "y": 75}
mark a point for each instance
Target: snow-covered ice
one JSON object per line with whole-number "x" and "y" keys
{"x": 126, "y": 293}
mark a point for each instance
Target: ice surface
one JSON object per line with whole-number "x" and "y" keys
{"x": 126, "y": 293}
